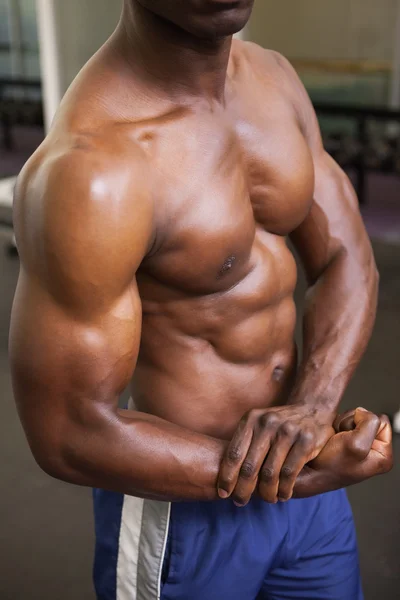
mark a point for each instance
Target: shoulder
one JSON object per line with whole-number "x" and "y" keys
{"x": 268, "y": 65}
{"x": 259, "y": 57}
{"x": 83, "y": 175}
{"x": 82, "y": 196}
{"x": 270, "y": 68}
{"x": 77, "y": 162}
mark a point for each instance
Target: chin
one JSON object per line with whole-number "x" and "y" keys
{"x": 222, "y": 25}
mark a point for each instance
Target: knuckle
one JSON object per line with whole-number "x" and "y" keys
{"x": 375, "y": 420}
{"x": 287, "y": 472}
{"x": 246, "y": 417}
{"x": 306, "y": 437}
{"x": 288, "y": 429}
{"x": 268, "y": 421}
{"x": 267, "y": 474}
{"x": 251, "y": 415}
{"x": 247, "y": 470}
{"x": 234, "y": 455}
{"x": 358, "y": 449}
{"x": 273, "y": 420}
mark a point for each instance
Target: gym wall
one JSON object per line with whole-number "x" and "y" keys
{"x": 328, "y": 29}
{"x": 319, "y": 35}
{"x": 81, "y": 28}
{"x": 69, "y": 34}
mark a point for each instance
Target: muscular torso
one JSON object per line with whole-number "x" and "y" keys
{"x": 152, "y": 226}
{"x": 229, "y": 183}
{"x": 217, "y": 294}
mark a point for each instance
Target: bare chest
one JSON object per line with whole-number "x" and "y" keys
{"x": 227, "y": 195}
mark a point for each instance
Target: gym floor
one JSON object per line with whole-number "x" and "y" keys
{"x": 46, "y": 532}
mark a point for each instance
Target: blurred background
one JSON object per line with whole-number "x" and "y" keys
{"x": 347, "y": 52}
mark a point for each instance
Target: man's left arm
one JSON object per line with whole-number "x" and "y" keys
{"x": 339, "y": 316}
{"x": 343, "y": 280}
{"x": 343, "y": 283}
{"x": 341, "y": 299}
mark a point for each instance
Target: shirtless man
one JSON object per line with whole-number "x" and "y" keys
{"x": 151, "y": 226}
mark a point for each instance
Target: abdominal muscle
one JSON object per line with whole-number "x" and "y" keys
{"x": 204, "y": 362}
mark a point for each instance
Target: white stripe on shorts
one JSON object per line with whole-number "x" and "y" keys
{"x": 142, "y": 546}
{"x": 128, "y": 552}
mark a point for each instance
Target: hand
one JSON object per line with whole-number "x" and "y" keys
{"x": 361, "y": 449}
{"x": 273, "y": 444}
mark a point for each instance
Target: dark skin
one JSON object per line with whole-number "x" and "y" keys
{"x": 152, "y": 227}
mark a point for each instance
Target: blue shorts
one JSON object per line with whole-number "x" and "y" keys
{"x": 150, "y": 550}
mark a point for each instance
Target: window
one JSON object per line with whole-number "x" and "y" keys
{"x": 19, "y": 48}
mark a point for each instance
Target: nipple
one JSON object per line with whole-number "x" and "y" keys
{"x": 227, "y": 266}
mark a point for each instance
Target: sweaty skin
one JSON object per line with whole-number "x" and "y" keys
{"x": 152, "y": 228}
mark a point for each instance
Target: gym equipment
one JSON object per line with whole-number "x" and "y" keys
{"x": 364, "y": 151}
{"x": 20, "y": 104}
{"x": 6, "y": 199}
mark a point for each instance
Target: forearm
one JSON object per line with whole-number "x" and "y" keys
{"x": 312, "y": 482}
{"x": 144, "y": 456}
{"x": 338, "y": 320}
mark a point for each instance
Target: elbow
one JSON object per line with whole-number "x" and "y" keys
{"x": 70, "y": 451}
{"x": 51, "y": 459}
{"x": 54, "y": 457}
{"x": 72, "y": 456}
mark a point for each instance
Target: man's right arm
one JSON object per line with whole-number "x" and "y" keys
{"x": 83, "y": 226}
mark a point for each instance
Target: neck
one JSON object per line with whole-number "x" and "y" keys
{"x": 171, "y": 58}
